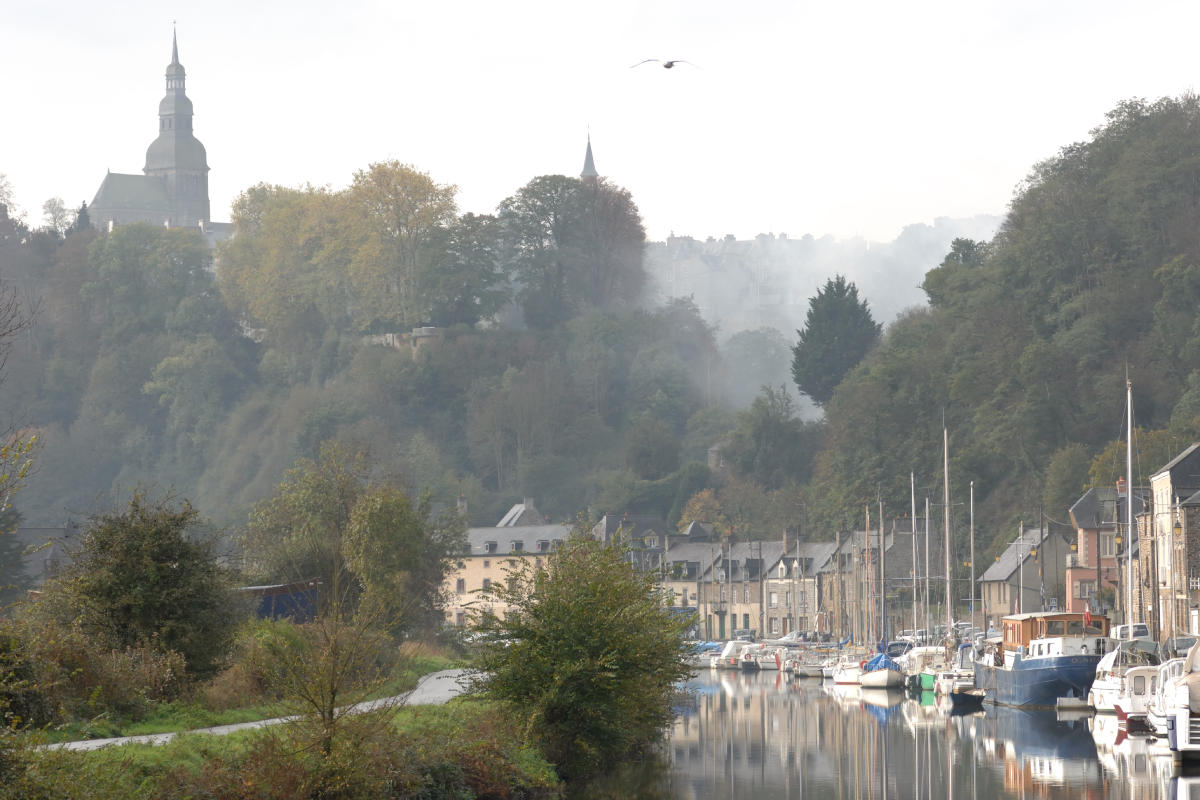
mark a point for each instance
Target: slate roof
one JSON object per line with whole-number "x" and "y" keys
{"x": 527, "y": 535}
{"x": 1106, "y": 506}
{"x": 521, "y": 515}
{"x": 131, "y": 192}
{"x": 1017, "y": 550}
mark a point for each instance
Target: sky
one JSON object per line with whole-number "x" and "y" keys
{"x": 841, "y": 118}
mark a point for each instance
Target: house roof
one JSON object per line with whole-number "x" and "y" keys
{"x": 527, "y": 535}
{"x": 521, "y": 515}
{"x": 633, "y": 526}
{"x": 702, "y": 553}
{"x": 1177, "y": 460}
{"x": 1016, "y": 552}
{"x": 1105, "y": 506}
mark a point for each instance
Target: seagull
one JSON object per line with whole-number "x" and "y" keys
{"x": 666, "y": 64}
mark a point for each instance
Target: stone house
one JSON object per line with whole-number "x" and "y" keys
{"x": 521, "y": 535}
{"x": 1170, "y": 566}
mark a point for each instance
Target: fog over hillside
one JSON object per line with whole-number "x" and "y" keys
{"x": 767, "y": 281}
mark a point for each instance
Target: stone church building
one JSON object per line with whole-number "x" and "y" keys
{"x": 173, "y": 189}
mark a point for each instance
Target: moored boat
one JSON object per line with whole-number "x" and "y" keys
{"x": 1043, "y": 656}
{"x": 881, "y": 672}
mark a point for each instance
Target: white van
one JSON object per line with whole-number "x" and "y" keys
{"x": 1136, "y": 630}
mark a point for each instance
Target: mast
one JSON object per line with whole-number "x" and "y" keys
{"x": 928, "y": 626}
{"x": 869, "y": 585}
{"x": 883, "y": 628}
{"x": 912, "y": 500}
{"x": 946, "y": 518}
{"x": 972, "y": 554}
{"x": 1128, "y": 498}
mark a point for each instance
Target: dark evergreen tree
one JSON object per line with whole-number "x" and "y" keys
{"x": 838, "y": 332}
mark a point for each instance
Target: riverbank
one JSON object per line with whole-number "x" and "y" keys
{"x": 433, "y": 689}
{"x": 466, "y": 748}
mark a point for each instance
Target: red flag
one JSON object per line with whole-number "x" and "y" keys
{"x": 1087, "y": 616}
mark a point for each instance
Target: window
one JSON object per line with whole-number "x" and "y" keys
{"x": 517, "y": 545}
{"x": 683, "y": 597}
{"x": 774, "y": 599}
{"x": 489, "y": 547}
{"x": 774, "y": 626}
{"x": 746, "y": 596}
{"x": 543, "y": 545}
{"x": 487, "y": 583}
{"x": 722, "y": 594}
{"x": 486, "y": 564}
{"x": 460, "y": 619}
{"x": 746, "y": 621}
{"x": 1107, "y": 547}
{"x": 1085, "y": 589}
{"x": 537, "y": 562}
{"x": 460, "y": 586}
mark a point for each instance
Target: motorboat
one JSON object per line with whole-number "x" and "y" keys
{"x": 1112, "y": 680}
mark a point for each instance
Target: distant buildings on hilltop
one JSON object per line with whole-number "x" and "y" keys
{"x": 173, "y": 189}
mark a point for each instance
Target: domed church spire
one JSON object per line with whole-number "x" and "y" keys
{"x": 176, "y": 156}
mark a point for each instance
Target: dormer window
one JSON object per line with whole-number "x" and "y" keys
{"x": 489, "y": 547}
{"x": 543, "y": 545}
{"x": 517, "y": 545}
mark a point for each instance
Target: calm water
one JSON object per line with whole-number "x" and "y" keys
{"x": 765, "y": 736}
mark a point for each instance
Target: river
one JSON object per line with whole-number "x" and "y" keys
{"x": 768, "y": 737}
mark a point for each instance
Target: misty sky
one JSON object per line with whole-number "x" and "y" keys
{"x": 827, "y": 118}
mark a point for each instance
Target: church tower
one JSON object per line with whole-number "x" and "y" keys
{"x": 176, "y": 157}
{"x": 589, "y": 174}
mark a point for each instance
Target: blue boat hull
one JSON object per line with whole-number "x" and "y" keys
{"x": 1037, "y": 681}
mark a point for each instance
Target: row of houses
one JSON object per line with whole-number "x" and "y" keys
{"x": 831, "y": 588}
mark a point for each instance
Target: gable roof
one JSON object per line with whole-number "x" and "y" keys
{"x": 1016, "y": 552}
{"x": 131, "y": 192}
{"x": 1104, "y": 505}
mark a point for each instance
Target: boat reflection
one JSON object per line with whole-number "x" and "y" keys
{"x": 758, "y": 735}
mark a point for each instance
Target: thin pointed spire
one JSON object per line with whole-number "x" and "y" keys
{"x": 174, "y": 47}
{"x": 589, "y": 166}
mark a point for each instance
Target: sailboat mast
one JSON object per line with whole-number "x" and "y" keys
{"x": 972, "y": 554}
{"x": 1128, "y": 499}
{"x": 912, "y": 500}
{"x": 946, "y": 518}
{"x": 883, "y": 627}
{"x": 928, "y": 626}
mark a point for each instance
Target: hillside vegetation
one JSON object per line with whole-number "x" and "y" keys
{"x": 556, "y": 379}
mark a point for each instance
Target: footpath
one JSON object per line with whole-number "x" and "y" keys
{"x": 433, "y": 689}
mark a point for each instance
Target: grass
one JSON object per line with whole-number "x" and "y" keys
{"x": 418, "y": 660}
{"x": 466, "y": 748}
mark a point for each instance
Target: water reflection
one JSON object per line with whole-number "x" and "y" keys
{"x": 767, "y": 736}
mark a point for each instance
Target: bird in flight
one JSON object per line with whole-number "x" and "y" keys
{"x": 666, "y": 64}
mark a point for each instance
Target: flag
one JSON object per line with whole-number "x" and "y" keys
{"x": 1087, "y": 615}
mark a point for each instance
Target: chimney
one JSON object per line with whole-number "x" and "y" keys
{"x": 462, "y": 505}
{"x": 1120, "y": 486}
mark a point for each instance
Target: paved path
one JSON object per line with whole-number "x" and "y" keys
{"x": 432, "y": 690}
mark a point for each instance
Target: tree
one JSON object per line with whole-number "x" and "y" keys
{"x": 461, "y": 279}
{"x": 838, "y": 331}
{"x": 58, "y": 219}
{"x": 402, "y": 209}
{"x": 145, "y": 576}
{"x": 329, "y": 522}
{"x": 571, "y": 246}
{"x": 587, "y": 655}
{"x": 770, "y": 445}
